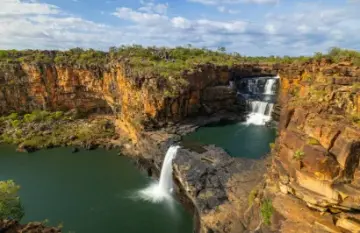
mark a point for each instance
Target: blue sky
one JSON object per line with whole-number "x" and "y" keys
{"x": 250, "y": 27}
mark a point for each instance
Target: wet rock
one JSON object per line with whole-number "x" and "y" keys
{"x": 214, "y": 180}
{"x": 12, "y": 226}
{"x": 26, "y": 148}
{"x": 75, "y": 150}
{"x": 90, "y": 145}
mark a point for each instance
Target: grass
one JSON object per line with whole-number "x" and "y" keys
{"x": 206, "y": 195}
{"x": 298, "y": 155}
{"x": 26, "y": 130}
{"x": 272, "y": 145}
{"x": 355, "y": 118}
{"x": 252, "y": 195}
{"x": 313, "y": 141}
{"x": 162, "y": 60}
{"x": 266, "y": 210}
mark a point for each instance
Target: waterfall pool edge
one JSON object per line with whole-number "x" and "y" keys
{"x": 87, "y": 191}
{"x": 237, "y": 139}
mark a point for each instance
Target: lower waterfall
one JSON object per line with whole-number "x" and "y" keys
{"x": 260, "y": 112}
{"x": 161, "y": 191}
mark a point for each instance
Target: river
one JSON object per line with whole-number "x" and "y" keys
{"x": 88, "y": 192}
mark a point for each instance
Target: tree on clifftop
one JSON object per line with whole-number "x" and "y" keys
{"x": 10, "y": 205}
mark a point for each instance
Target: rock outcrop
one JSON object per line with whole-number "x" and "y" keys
{"x": 315, "y": 163}
{"x": 218, "y": 185}
{"x": 11, "y": 226}
{"x": 316, "y": 157}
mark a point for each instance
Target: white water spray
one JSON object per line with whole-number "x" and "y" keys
{"x": 161, "y": 191}
{"x": 260, "y": 113}
{"x": 269, "y": 86}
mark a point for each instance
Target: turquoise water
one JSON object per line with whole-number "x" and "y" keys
{"x": 239, "y": 140}
{"x": 88, "y": 192}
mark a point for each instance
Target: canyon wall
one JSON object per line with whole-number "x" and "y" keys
{"x": 138, "y": 102}
{"x": 316, "y": 156}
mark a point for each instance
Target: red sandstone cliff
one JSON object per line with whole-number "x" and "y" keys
{"x": 316, "y": 157}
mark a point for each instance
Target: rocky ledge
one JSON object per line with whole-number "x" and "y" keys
{"x": 219, "y": 186}
{"x": 11, "y": 226}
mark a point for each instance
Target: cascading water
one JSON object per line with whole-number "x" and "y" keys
{"x": 269, "y": 86}
{"x": 161, "y": 191}
{"x": 261, "y": 91}
{"x": 260, "y": 112}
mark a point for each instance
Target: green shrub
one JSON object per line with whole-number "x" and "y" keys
{"x": 36, "y": 116}
{"x": 313, "y": 141}
{"x": 10, "y": 205}
{"x": 35, "y": 142}
{"x": 15, "y": 123}
{"x": 58, "y": 115}
{"x": 298, "y": 155}
{"x": 13, "y": 116}
{"x": 266, "y": 210}
{"x": 252, "y": 196}
{"x": 6, "y": 138}
{"x": 272, "y": 145}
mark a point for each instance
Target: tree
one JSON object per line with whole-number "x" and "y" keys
{"x": 10, "y": 205}
{"x": 222, "y": 49}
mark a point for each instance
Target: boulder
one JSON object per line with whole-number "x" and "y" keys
{"x": 318, "y": 161}
{"x": 322, "y": 187}
{"x": 347, "y": 151}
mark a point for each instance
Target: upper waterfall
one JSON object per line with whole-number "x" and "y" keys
{"x": 269, "y": 86}
{"x": 259, "y": 93}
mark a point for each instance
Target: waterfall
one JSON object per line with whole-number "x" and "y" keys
{"x": 166, "y": 181}
{"x": 160, "y": 191}
{"x": 252, "y": 86}
{"x": 260, "y": 112}
{"x": 269, "y": 86}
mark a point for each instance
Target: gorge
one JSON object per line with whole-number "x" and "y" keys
{"x": 308, "y": 184}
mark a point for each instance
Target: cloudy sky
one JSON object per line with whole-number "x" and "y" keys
{"x": 250, "y": 27}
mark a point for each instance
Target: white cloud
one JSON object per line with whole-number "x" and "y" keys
{"x": 139, "y": 17}
{"x": 151, "y": 7}
{"x": 17, "y": 7}
{"x": 44, "y": 26}
{"x": 223, "y": 9}
{"x": 222, "y": 2}
{"x": 303, "y": 29}
{"x": 180, "y": 22}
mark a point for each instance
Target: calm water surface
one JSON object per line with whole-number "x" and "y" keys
{"x": 88, "y": 192}
{"x": 239, "y": 140}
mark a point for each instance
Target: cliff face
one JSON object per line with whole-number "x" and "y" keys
{"x": 316, "y": 157}
{"x": 138, "y": 101}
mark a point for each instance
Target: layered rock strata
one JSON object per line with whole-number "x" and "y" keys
{"x": 315, "y": 159}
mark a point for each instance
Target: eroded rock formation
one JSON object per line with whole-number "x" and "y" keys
{"x": 315, "y": 168}
{"x": 316, "y": 157}
{"x": 11, "y": 226}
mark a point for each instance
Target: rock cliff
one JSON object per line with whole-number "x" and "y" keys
{"x": 316, "y": 156}
{"x": 315, "y": 161}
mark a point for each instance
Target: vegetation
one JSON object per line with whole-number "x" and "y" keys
{"x": 10, "y": 205}
{"x": 253, "y": 194}
{"x": 162, "y": 60}
{"x": 206, "y": 195}
{"x": 272, "y": 145}
{"x": 313, "y": 141}
{"x": 43, "y": 129}
{"x": 356, "y": 119}
{"x": 266, "y": 211}
{"x": 298, "y": 155}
